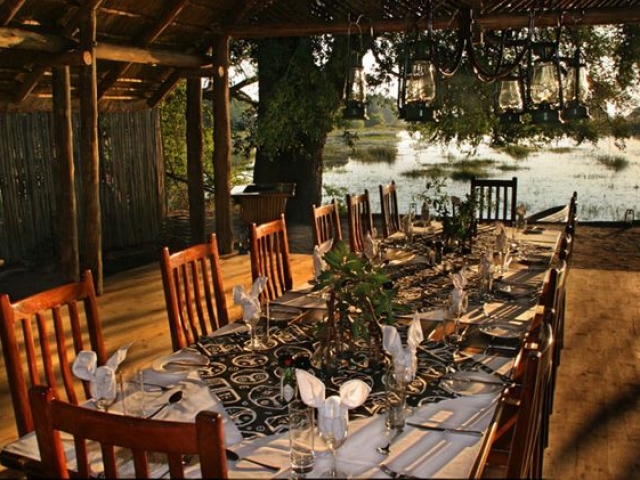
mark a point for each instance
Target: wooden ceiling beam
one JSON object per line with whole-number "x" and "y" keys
{"x": 30, "y": 82}
{"x": 167, "y": 86}
{"x": 9, "y": 10}
{"x": 594, "y": 16}
{"x": 147, "y": 39}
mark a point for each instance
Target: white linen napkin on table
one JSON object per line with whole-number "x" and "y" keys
{"x": 404, "y": 358}
{"x": 102, "y": 378}
{"x": 196, "y": 397}
{"x": 319, "y": 265}
{"x": 353, "y": 393}
{"x": 250, "y": 302}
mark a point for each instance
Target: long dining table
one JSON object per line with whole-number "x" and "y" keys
{"x": 450, "y": 402}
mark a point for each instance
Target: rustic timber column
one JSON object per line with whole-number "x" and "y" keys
{"x": 91, "y": 215}
{"x": 66, "y": 209}
{"x": 195, "y": 166}
{"x": 222, "y": 143}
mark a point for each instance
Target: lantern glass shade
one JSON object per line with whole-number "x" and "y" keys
{"x": 510, "y": 97}
{"x": 421, "y": 83}
{"x": 357, "y": 85}
{"x": 577, "y": 84}
{"x": 544, "y": 84}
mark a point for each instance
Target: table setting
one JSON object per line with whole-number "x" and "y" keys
{"x": 419, "y": 410}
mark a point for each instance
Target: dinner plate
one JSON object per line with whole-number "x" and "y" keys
{"x": 282, "y": 313}
{"x": 180, "y": 363}
{"x": 472, "y": 383}
{"x": 501, "y": 330}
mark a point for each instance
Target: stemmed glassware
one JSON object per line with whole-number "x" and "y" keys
{"x": 104, "y": 392}
{"x": 333, "y": 429}
{"x": 255, "y": 342}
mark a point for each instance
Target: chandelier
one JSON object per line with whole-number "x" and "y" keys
{"x": 524, "y": 65}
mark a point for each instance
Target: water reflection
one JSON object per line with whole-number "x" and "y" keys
{"x": 545, "y": 179}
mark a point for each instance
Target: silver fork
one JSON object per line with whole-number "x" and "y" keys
{"x": 392, "y": 473}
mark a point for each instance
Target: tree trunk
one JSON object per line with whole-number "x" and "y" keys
{"x": 288, "y": 63}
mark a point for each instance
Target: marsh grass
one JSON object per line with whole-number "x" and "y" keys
{"x": 376, "y": 154}
{"x": 519, "y": 152}
{"x": 613, "y": 162}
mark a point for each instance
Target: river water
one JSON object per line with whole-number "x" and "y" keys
{"x": 545, "y": 179}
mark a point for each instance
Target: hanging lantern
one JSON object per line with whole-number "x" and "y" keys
{"x": 510, "y": 103}
{"x": 420, "y": 92}
{"x": 355, "y": 88}
{"x": 545, "y": 91}
{"x": 418, "y": 81}
{"x": 577, "y": 90}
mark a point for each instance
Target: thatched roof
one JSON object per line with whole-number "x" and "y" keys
{"x": 144, "y": 47}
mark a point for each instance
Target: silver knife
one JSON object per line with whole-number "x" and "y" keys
{"x": 435, "y": 428}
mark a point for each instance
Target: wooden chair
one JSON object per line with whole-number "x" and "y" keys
{"x": 519, "y": 418}
{"x": 41, "y": 336}
{"x": 193, "y": 292}
{"x": 270, "y": 257}
{"x": 496, "y": 200}
{"x": 120, "y": 435}
{"x": 389, "y": 209}
{"x": 359, "y": 220}
{"x": 325, "y": 223}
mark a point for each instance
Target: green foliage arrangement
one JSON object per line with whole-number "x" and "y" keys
{"x": 362, "y": 291}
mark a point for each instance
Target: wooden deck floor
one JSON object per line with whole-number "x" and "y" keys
{"x": 595, "y": 427}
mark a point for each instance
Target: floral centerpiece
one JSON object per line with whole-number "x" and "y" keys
{"x": 361, "y": 297}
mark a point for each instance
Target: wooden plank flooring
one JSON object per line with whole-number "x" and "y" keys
{"x": 595, "y": 427}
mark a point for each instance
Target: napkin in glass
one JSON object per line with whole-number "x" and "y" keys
{"x": 405, "y": 362}
{"x": 250, "y": 302}
{"x": 352, "y": 394}
{"x": 371, "y": 246}
{"x": 319, "y": 265}
{"x": 459, "y": 297}
{"x": 102, "y": 378}
{"x": 407, "y": 224}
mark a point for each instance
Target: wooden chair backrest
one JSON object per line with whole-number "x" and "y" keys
{"x": 41, "y": 336}
{"x": 496, "y": 200}
{"x": 519, "y": 416}
{"x": 193, "y": 292}
{"x": 389, "y": 209}
{"x": 359, "y": 220}
{"x": 325, "y": 223}
{"x": 120, "y": 435}
{"x": 270, "y": 257}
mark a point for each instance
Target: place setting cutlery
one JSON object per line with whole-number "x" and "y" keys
{"x": 392, "y": 473}
{"x": 438, "y": 428}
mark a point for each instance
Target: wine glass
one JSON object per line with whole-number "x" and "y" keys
{"x": 103, "y": 389}
{"x": 333, "y": 429}
{"x": 254, "y": 343}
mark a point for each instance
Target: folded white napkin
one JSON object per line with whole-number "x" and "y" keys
{"x": 485, "y": 268}
{"x": 501, "y": 237}
{"x": 250, "y": 302}
{"x": 459, "y": 297}
{"x": 371, "y": 245}
{"x": 331, "y": 410}
{"x": 405, "y": 362}
{"x": 103, "y": 378}
{"x": 319, "y": 265}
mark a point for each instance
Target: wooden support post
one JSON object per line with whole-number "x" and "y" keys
{"x": 92, "y": 218}
{"x": 66, "y": 208}
{"x": 222, "y": 144}
{"x": 195, "y": 166}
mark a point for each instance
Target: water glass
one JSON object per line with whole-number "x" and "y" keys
{"x": 395, "y": 401}
{"x": 132, "y": 393}
{"x": 301, "y": 435}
